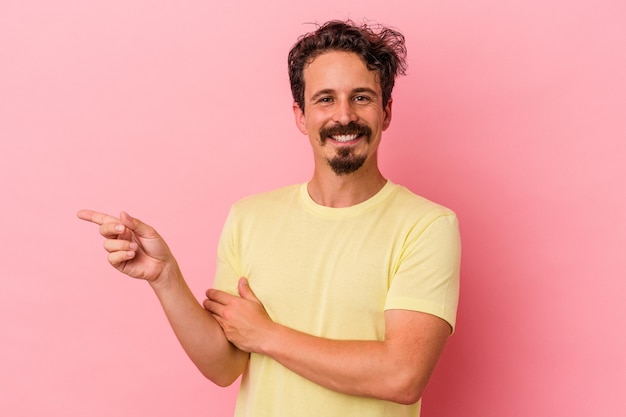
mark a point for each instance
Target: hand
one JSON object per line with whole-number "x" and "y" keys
{"x": 135, "y": 248}
{"x": 244, "y": 320}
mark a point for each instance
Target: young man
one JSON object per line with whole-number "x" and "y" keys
{"x": 334, "y": 297}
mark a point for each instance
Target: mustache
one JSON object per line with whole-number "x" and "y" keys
{"x": 352, "y": 128}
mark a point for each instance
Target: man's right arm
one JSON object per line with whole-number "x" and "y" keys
{"x": 137, "y": 250}
{"x": 198, "y": 332}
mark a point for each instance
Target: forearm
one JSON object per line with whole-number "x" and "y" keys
{"x": 199, "y": 334}
{"x": 373, "y": 369}
{"x": 395, "y": 369}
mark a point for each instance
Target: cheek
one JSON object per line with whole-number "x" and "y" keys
{"x": 314, "y": 123}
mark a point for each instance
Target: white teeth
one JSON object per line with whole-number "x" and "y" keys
{"x": 344, "y": 138}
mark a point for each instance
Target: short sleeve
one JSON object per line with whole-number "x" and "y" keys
{"x": 228, "y": 269}
{"x": 427, "y": 276}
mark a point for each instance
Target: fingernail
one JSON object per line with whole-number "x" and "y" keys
{"x": 133, "y": 245}
{"x": 119, "y": 227}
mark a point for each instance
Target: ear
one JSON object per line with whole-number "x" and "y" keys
{"x": 387, "y": 116}
{"x": 300, "y": 119}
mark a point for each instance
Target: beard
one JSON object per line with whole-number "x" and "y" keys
{"x": 346, "y": 161}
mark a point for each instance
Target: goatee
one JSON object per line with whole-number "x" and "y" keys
{"x": 345, "y": 161}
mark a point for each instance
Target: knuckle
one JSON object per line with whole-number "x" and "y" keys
{"x": 109, "y": 245}
{"x": 104, "y": 229}
{"x": 112, "y": 258}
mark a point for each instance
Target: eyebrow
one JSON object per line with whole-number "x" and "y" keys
{"x": 355, "y": 91}
{"x": 365, "y": 90}
{"x": 322, "y": 93}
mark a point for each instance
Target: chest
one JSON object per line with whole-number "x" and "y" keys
{"x": 324, "y": 278}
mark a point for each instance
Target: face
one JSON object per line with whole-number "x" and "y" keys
{"x": 343, "y": 112}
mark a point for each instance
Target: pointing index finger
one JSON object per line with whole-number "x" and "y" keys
{"x": 96, "y": 217}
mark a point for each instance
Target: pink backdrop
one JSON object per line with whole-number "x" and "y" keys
{"x": 513, "y": 114}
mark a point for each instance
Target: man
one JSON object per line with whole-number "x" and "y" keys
{"x": 334, "y": 297}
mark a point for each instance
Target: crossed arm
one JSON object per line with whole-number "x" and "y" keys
{"x": 396, "y": 369}
{"x": 219, "y": 337}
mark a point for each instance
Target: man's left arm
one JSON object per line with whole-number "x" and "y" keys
{"x": 396, "y": 369}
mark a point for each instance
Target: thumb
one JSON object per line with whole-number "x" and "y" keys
{"x": 246, "y": 292}
{"x": 141, "y": 229}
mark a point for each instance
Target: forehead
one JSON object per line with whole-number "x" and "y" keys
{"x": 339, "y": 70}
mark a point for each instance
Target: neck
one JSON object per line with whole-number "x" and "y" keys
{"x": 332, "y": 190}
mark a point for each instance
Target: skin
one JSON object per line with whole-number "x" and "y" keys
{"x": 339, "y": 89}
{"x": 138, "y": 251}
{"x": 219, "y": 337}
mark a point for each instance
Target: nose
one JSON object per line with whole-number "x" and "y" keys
{"x": 345, "y": 112}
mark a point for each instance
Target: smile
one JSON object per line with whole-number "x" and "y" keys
{"x": 344, "y": 138}
{"x": 346, "y": 134}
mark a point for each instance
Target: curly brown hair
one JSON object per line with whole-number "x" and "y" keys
{"x": 381, "y": 48}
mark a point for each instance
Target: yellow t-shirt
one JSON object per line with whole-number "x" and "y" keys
{"x": 332, "y": 273}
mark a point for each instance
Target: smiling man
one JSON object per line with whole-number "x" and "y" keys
{"x": 331, "y": 298}
{"x": 343, "y": 114}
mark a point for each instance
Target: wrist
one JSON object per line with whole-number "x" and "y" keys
{"x": 270, "y": 345}
{"x": 169, "y": 275}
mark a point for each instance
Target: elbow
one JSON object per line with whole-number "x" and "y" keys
{"x": 408, "y": 397}
{"x": 224, "y": 379}
{"x": 225, "y": 372}
{"x": 406, "y": 390}
{"x": 223, "y": 382}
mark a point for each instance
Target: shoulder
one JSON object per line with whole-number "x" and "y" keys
{"x": 268, "y": 200}
{"x": 416, "y": 217}
{"x": 412, "y": 205}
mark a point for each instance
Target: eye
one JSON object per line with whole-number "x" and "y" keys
{"x": 325, "y": 99}
{"x": 361, "y": 99}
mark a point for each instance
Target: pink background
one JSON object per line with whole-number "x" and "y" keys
{"x": 513, "y": 114}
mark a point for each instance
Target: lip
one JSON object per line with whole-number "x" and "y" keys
{"x": 346, "y": 143}
{"x": 343, "y": 132}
